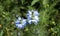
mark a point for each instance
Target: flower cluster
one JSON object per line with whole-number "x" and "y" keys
{"x": 32, "y": 17}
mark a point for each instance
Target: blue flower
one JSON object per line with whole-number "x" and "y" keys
{"x": 20, "y": 23}
{"x": 33, "y": 19}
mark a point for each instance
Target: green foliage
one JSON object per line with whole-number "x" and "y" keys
{"x": 49, "y": 24}
{"x": 1, "y": 34}
{"x": 33, "y": 2}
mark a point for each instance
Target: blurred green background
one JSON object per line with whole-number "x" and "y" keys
{"x": 49, "y": 24}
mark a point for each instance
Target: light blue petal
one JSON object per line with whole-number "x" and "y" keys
{"x": 36, "y": 13}
{"x": 20, "y": 26}
{"x": 35, "y": 18}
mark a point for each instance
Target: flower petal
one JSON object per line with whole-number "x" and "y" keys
{"x": 36, "y": 18}
{"x": 20, "y": 26}
{"x": 24, "y": 22}
{"x": 17, "y": 22}
{"x": 36, "y": 13}
{"x": 30, "y": 21}
{"x": 30, "y": 12}
{"x": 35, "y": 22}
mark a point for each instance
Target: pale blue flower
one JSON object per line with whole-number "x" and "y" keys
{"x": 20, "y": 23}
{"x": 34, "y": 19}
